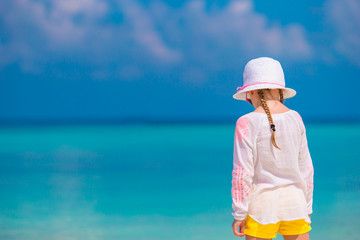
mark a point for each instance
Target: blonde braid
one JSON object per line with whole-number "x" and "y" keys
{"x": 272, "y": 125}
{"x": 281, "y": 95}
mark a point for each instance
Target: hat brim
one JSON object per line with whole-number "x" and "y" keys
{"x": 241, "y": 95}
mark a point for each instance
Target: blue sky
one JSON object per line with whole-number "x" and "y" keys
{"x": 173, "y": 60}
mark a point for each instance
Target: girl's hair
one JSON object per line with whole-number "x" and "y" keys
{"x": 266, "y": 108}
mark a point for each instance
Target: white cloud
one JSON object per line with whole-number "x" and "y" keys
{"x": 251, "y": 33}
{"x": 155, "y": 38}
{"x": 344, "y": 17}
{"x": 93, "y": 8}
{"x": 144, "y": 33}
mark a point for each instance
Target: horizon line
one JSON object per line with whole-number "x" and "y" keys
{"x": 155, "y": 121}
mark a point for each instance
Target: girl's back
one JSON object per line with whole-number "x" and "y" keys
{"x": 272, "y": 170}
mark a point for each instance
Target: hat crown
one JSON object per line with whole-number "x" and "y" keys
{"x": 262, "y": 73}
{"x": 263, "y": 70}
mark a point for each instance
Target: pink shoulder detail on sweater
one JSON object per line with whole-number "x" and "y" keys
{"x": 242, "y": 129}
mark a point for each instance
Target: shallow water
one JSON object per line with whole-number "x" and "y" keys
{"x": 154, "y": 181}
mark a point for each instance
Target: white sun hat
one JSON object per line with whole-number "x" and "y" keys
{"x": 260, "y": 73}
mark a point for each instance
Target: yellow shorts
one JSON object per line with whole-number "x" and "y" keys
{"x": 295, "y": 227}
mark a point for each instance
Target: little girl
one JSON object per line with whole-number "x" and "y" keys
{"x": 272, "y": 177}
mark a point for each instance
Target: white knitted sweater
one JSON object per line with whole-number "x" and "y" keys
{"x": 268, "y": 184}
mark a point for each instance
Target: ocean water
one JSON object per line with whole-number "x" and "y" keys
{"x": 169, "y": 181}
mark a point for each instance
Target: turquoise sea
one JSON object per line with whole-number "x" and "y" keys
{"x": 154, "y": 181}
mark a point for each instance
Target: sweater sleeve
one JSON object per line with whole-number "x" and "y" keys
{"x": 306, "y": 169}
{"x": 243, "y": 169}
